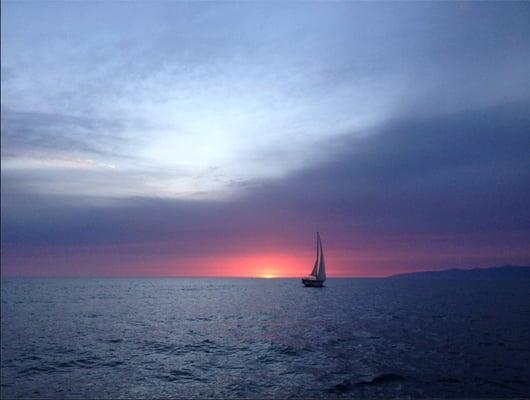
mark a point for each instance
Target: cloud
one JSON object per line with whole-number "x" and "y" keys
{"x": 409, "y": 186}
{"x": 462, "y": 171}
{"x": 41, "y": 133}
{"x": 191, "y": 87}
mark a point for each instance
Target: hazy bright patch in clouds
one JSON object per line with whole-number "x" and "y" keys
{"x": 212, "y": 93}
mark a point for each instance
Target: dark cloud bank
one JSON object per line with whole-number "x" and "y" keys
{"x": 450, "y": 190}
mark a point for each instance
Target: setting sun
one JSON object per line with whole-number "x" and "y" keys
{"x": 263, "y": 265}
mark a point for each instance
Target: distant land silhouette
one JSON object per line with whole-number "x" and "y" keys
{"x": 504, "y": 272}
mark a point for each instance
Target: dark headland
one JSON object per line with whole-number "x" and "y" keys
{"x": 504, "y": 272}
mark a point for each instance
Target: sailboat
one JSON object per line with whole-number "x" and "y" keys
{"x": 318, "y": 274}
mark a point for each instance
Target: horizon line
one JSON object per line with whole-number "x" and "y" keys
{"x": 2, "y": 276}
{"x": 180, "y": 276}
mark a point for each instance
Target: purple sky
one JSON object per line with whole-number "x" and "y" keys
{"x": 195, "y": 138}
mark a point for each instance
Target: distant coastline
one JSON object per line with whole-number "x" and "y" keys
{"x": 504, "y": 272}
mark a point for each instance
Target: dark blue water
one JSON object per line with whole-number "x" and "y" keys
{"x": 135, "y": 338}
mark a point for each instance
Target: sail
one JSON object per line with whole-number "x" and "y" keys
{"x": 321, "y": 275}
{"x": 314, "y": 272}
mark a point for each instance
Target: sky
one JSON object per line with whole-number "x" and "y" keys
{"x": 215, "y": 138}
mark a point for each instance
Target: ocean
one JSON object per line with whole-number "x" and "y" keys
{"x": 264, "y": 338}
